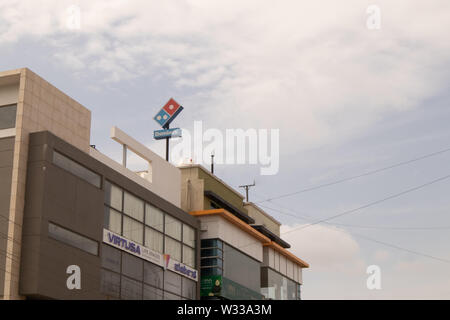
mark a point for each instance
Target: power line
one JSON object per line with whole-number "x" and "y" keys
{"x": 375, "y": 202}
{"x": 361, "y": 226}
{"x": 383, "y": 243}
{"x": 356, "y": 176}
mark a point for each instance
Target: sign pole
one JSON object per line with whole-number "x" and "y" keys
{"x": 167, "y": 149}
{"x": 167, "y": 144}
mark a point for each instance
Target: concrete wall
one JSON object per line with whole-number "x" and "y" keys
{"x": 40, "y": 106}
{"x": 192, "y": 190}
{"x": 218, "y": 227}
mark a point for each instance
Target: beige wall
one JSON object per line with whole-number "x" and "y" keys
{"x": 217, "y": 227}
{"x": 192, "y": 190}
{"x": 280, "y": 263}
{"x": 40, "y": 106}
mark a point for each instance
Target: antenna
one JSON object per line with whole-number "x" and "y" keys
{"x": 212, "y": 163}
{"x": 246, "y": 187}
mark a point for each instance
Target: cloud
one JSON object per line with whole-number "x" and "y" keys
{"x": 324, "y": 248}
{"x": 312, "y": 69}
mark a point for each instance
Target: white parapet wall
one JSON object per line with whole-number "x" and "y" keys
{"x": 162, "y": 179}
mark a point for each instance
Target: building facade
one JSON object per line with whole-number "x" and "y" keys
{"x": 66, "y": 209}
{"x": 242, "y": 254}
{"x": 75, "y": 224}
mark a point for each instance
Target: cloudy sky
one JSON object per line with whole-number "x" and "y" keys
{"x": 347, "y": 100}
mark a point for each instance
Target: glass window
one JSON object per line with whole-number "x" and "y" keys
{"x": 113, "y": 196}
{"x": 211, "y": 243}
{"x": 170, "y": 296}
{"x": 241, "y": 268}
{"x": 211, "y": 262}
{"x": 172, "y": 282}
{"x": 173, "y": 248}
{"x": 133, "y": 230}
{"x": 130, "y": 289}
{"x": 76, "y": 169}
{"x": 154, "y": 217}
{"x": 154, "y": 239}
{"x": 173, "y": 227}
{"x": 111, "y": 258}
{"x": 132, "y": 266}
{"x": 153, "y": 275}
{"x": 72, "y": 239}
{"x": 110, "y": 283}
{"x": 189, "y": 288}
{"x": 8, "y": 116}
{"x": 188, "y": 235}
{"x": 213, "y": 252}
{"x": 151, "y": 293}
{"x": 276, "y": 286}
{"x": 189, "y": 256}
{"x": 113, "y": 220}
{"x": 133, "y": 206}
{"x": 211, "y": 271}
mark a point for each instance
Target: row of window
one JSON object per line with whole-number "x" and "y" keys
{"x": 211, "y": 257}
{"x": 128, "y": 277}
{"x": 131, "y": 217}
{"x": 275, "y": 286}
{"x": 137, "y": 220}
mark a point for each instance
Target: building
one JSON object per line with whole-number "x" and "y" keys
{"x": 68, "y": 210}
{"x": 242, "y": 254}
{"x": 75, "y": 224}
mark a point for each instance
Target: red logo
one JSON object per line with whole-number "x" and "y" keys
{"x": 171, "y": 106}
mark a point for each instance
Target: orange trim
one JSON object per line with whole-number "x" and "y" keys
{"x": 287, "y": 254}
{"x": 234, "y": 220}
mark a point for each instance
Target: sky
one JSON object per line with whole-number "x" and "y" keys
{"x": 347, "y": 99}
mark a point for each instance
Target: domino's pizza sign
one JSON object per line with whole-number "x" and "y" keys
{"x": 168, "y": 113}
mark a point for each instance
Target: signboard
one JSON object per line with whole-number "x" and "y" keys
{"x": 211, "y": 286}
{"x": 148, "y": 254}
{"x": 180, "y": 268}
{"x": 167, "y": 133}
{"x": 168, "y": 113}
{"x": 132, "y": 247}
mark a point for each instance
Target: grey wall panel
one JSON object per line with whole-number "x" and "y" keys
{"x": 6, "y": 166}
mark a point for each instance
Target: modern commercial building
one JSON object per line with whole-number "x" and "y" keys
{"x": 75, "y": 224}
{"x": 68, "y": 210}
{"x": 242, "y": 254}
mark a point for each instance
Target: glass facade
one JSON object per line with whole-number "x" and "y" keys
{"x": 76, "y": 169}
{"x": 275, "y": 286}
{"x": 133, "y": 218}
{"x": 73, "y": 239}
{"x": 127, "y": 277}
{"x": 227, "y": 273}
{"x": 8, "y": 116}
{"x": 241, "y": 268}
